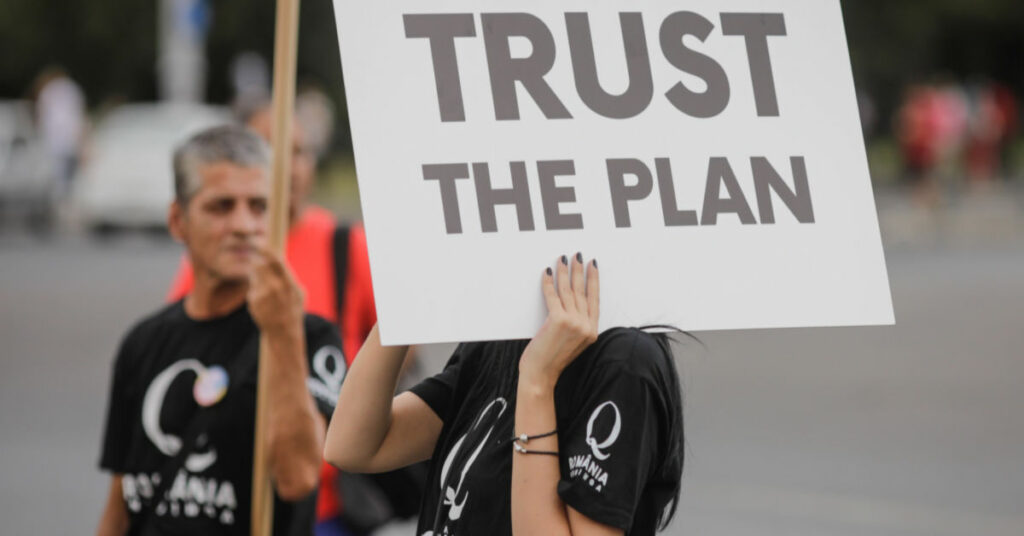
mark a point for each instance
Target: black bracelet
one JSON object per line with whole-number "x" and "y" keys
{"x": 523, "y": 438}
{"x": 520, "y": 449}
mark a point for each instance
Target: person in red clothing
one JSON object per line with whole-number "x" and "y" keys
{"x": 323, "y": 255}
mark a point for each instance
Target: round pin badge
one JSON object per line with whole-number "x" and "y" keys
{"x": 210, "y": 386}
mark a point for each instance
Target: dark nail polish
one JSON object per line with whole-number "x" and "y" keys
{"x": 548, "y": 270}
{"x": 595, "y": 263}
{"x": 579, "y": 257}
{"x": 565, "y": 260}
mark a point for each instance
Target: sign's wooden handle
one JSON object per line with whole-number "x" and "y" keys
{"x": 285, "y": 52}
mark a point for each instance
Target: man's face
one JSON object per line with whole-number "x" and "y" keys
{"x": 225, "y": 219}
{"x": 303, "y": 160}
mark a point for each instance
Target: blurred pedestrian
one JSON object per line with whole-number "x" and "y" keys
{"x": 180, "y": 425}
{"x": 917, "y": 133}
{"x": 992, "y": 125}
{"x": 250, "y": 78}
{"x": 60, "y": 114}
{"x": 315, "y": 111}
{"x": 931, "y": 126}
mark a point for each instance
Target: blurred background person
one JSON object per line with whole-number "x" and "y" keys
{"x": 331, "y": 264}
{"x": 315, "y": 111}
{"x": 993, "y": 122}
{"x": 180, "y": 427}
{"x": 250, "y": 78}
{"x": 61, "y": 119}
{"x": 931, "y": 125}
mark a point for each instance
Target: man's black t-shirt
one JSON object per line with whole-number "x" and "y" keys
{"x": 168, "y": 370}
{"x": 614, "y": 410}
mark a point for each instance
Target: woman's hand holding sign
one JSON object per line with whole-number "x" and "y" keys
{"x": 572, "y": 294}
{"x": 572, "y": 300}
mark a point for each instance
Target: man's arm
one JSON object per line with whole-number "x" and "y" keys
{"x": 295, "y": 430}
{"x": 114, "y": 520}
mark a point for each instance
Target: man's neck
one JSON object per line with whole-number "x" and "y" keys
{"x": 213, "y": 298}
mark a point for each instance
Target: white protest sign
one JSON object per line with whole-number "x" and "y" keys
{"x": 707, "y": 153}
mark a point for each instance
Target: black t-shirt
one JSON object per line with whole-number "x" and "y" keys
{"x": 167, "y": 366}
{"x": 614, "y": 409}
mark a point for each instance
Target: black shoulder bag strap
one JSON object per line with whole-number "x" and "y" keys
{"x": 372, "y": 499}
{"x": 340, "y": 243}
{"x": 199, "y": 423}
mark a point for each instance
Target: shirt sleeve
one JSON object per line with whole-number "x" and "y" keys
{"x": 327, "y": 366}
{"x": 607, "y": 446}
{"x": 117, "y": 430}
{"x": 439, "y": 390}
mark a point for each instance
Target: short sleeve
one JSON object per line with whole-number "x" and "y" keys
{"x": 116, "y": 433}
{"x": 439, "y": 390}
{"x": 607, "y": 446}
{"x": 327, "y": 364}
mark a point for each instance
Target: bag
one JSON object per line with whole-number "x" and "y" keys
{"x": 370, "y": 501}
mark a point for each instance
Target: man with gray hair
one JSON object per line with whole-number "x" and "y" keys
{"x": 329, "y": 259}
{"x": 180, "y": 424}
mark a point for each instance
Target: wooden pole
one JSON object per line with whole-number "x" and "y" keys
{"x": 285, "y": 51}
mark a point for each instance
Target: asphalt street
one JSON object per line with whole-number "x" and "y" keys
{"x": 909, "y": 430}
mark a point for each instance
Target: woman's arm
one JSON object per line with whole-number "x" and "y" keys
{"x": 373, "y": 430}
{"x": 571, "y": 326}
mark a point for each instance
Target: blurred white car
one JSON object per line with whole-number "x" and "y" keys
{"x": 28, "y": 178}
{"x": 127, "y": 180}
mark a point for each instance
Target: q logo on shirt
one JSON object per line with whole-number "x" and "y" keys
{"x": 152, "y": 405}
{"x": 330, "y": 367}
{"x": 596, "y": 447}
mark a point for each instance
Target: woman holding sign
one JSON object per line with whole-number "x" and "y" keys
{"x": 568, "y": 433}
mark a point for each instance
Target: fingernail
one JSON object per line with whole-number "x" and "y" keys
{"x": 579, "y": 257}
{"x": 548, "y": 270}
{"x": 565, "y": 260}
{"x": 595, "y": 263}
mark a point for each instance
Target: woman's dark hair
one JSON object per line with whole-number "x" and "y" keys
{"x": 506, "y": 363}
{"x": 676, "y": 443}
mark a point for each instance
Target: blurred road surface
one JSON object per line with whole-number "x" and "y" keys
{"x": 907, "y": 431}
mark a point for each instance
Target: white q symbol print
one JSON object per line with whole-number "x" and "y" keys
{"x": 596, "y": 447}
{"x": 327, "y": 383}
{"x": 331, "y": 378}
{"x": 152, "y": 406}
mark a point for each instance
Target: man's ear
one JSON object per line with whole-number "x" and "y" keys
{"x": 176, "y": 221}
